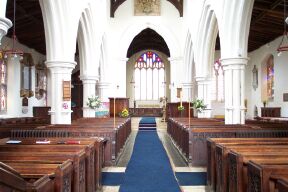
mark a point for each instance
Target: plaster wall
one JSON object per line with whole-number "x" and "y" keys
{"x": 14, "y": 101}
{"x": 257, "y": 58}
{"x": 125, "y": 26}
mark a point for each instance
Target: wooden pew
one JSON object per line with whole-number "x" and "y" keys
{"x": 36, "y": 177}
{"x": 237, "y": 163}
{"x": 259, "y": 176}
{"x": 78, "y": 159}
{"x": 93, "y": 151}
{"x": 282, "y": 184}
{"x": 115, "y": 137}
{"x": 211, "y": 146}
{"x": 221, "y": 156}
{"x": 191, "y": 140}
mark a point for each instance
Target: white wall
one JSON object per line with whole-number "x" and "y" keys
{"x": 125, "y": 26}
{"x": 257, "y": 57}
{"x": 14, "y": 101}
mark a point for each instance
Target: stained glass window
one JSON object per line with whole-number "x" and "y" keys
{"x": 3, "y": 85}
{"x": 270, "y": 78}
{"x": 218, "y": 82}
{"x": 149, "y": 77}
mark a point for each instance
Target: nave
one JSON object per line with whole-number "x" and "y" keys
{"x": 188, "y": 178}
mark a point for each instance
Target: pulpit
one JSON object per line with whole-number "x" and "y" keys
{"x": 120, "y": 104}
{"x": 172, "y": 110}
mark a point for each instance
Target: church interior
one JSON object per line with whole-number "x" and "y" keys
{"x": 143, "y": 96}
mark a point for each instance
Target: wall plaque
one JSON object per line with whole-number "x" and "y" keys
{"x": 147, "y": 8}
{"x": 66, "y": 90}
{"x": 285, "y": 97}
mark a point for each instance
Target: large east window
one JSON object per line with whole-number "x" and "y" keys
{"x": 149, "y": 74}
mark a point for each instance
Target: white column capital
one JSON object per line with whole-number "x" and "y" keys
{"x": 187, "y": 85}
{"x": 70, "y": 65}
{"x": 89, "y": 78}
{"x": 103, "y": 85}
{"x": 5, "y": 24}
{"x": 122, "y": 59}
{"x": 175, "y": 59}
{"x": 236, "y": 61}
{"x": 202, "y": 80}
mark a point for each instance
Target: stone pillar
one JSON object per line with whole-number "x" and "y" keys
{"x": 204, "y": 93}
{"x": 89, "y": 90}
{"x": 103, "y": 91}
{"x": 187, "y": 91}
{"x": 60, "y": 110}
{"x": 234, "y": 75}
{"x": 175, "y": 77}
{"x": 118, "y": 72}
{"x": 5, "y": 23}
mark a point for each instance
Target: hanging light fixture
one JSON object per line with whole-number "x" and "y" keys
{"x": 13, "y": 53}
{"x": 283, "y": 46}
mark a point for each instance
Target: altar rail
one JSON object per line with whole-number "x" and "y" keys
{"x": 139, "y": 112}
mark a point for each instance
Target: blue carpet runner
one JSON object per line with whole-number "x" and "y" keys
{"x": 183, "y": 178}
{"x": 149, "y": 169}
{"x": 147, "y": 123}
{"x": 112, "y": 179}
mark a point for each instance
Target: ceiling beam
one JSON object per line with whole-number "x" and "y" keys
{"x": 264, "y": 13}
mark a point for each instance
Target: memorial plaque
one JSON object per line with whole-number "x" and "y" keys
{"x": 147, "y": 8}
{"x": 66, "y": 90}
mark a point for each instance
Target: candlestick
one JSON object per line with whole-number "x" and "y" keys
{"x": 189, "y": 113}
{"x": 181, "y": 98}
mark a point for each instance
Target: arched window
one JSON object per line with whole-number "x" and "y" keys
{"x": 218, "y": 83}
{"x": 3, "y": 85}
{"x": 149, "y": 74}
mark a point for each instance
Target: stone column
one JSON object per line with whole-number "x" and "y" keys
{"x": 175, "y": 77}
{"x": 187, "y": 91}
{"x": 103, "y": 91}
{"x": 89, "y": 90}
{"x": 204, "y": 93}
{"x": 234, "y": 75}
{"x": 60, "y": 110}
{"x": 5, "y": 23}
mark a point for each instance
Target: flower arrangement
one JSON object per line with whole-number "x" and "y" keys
{"x": 124, "y": 113}
{"x": 181, "y": 108}
{"x": 94, "y": 102}
{"x": 199, "y": 105}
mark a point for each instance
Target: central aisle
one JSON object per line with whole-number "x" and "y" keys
{"x": 149, "y": 168}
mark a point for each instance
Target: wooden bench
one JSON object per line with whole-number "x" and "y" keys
{"x": 93, "y": 151}
{"x": 282, "y": 185}
{"x": 78, "y": 159}
{"x": 259, "y": 176}
{"x": 211, "y": 145}
{"x": 116, "y": 138}
{"x": 238, "y": 162}
{"x": 222, "y": 165}
{"x": 36, "y": 177}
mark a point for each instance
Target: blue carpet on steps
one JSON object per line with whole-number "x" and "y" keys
{"x": 112, "y": 178}
{"x": 191, "y": 178}
{"x": 147, "y": 120}
{"x": 184, "y": 178}
{"x": 147, "y": 124}
{"x": 149, "y": 168}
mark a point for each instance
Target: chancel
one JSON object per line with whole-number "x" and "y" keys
{"x": 143, "y": 95}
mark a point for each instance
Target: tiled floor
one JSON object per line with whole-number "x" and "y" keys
{"x": 178, "y": 163}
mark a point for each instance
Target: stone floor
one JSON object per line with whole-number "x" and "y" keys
{"x": 177, "y": 162}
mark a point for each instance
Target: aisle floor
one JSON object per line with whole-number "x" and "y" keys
{"x": 177, "y": 162}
